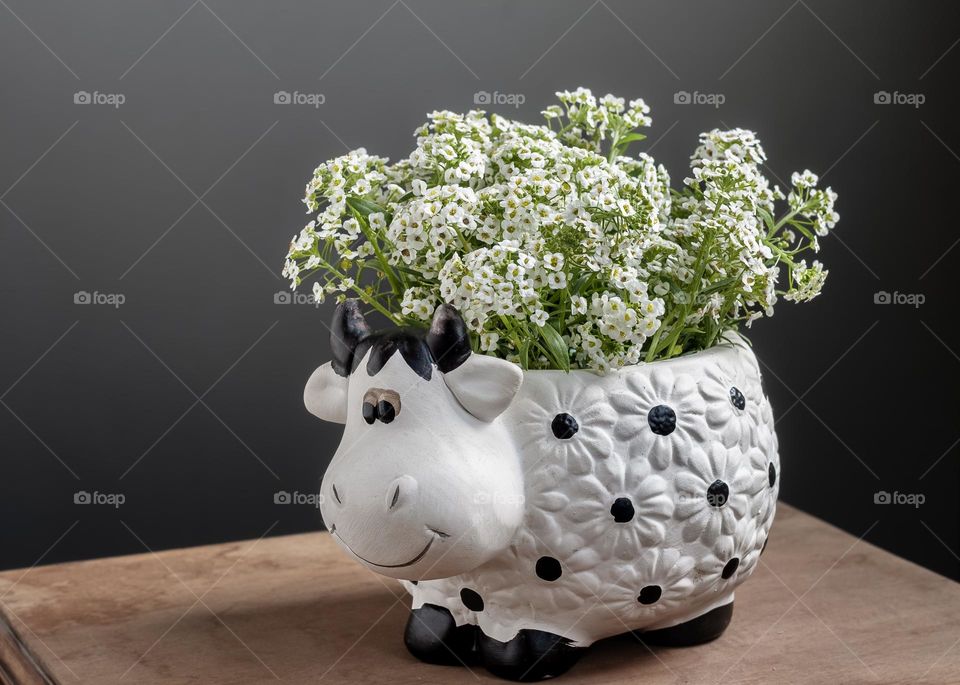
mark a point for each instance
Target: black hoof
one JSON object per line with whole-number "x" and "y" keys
{"x": 696, "y": 631}
{"x": 531, "y": 655}
{"x": 433, "y": 636}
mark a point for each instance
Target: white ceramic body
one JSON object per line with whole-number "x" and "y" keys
{"x": 608, "y": 512}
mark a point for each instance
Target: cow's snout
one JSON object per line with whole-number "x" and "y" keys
{"x": 402, "y": 491}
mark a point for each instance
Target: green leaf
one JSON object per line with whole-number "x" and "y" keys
{"x": 555, "y": 346}
{"x": 632, "y": 138}
{"x": 767, "y": 219}
{"x": 525, "y": 354}
{"x": 364, "y": 207}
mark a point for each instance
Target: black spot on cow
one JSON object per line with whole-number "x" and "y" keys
{"x": 718, "y": 493}
{"x": 564, "y": 426}
{"x": 471, "y": 600}
{"x": 548, "y": 568}
{"x": 662, "y": 419}
{"x": 622, "y": 510}
{"x": 650, "y": 594}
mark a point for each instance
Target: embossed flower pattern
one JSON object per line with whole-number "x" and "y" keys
{"x": 730, "y": 559}
{"x": 660, "y": 415}
{"x": 621, "y": 508}
{"x": 659, "y": 582}
{"x": 714, "y": 491}
{"x": 569, "y": 424}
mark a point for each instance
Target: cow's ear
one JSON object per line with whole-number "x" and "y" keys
{"x": 484, "y": 386}
{"x": 325, "y": 395}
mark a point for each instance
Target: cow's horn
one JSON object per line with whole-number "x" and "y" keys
{"x": 347, "y": 330}
{"x": 448, "y": 339}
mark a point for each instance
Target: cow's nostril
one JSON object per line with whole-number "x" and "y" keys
{"x": 400, "y": 491}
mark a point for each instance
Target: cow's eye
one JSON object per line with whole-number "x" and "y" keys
{"x": 380, "y": 404}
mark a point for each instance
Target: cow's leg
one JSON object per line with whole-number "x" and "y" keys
{"x": 531, "y": 655}
{"x": 433, "y": 636}
{"x": 703, "y": 628}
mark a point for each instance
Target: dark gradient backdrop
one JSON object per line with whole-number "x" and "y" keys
{"x": 186, "y": 398}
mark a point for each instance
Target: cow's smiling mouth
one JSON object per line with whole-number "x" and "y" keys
{"x": 434, "y": 535}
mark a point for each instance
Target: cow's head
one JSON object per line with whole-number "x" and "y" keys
{"x": 426, "y": 482}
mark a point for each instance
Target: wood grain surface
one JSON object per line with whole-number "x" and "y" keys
{"x": 822, "y": 607}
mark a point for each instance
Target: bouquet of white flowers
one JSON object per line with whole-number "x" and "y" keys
{"x": 560, "y": 250}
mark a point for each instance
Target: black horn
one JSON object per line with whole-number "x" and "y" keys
{"x": 448, "y": 339}
{"x": 347, "y": 330}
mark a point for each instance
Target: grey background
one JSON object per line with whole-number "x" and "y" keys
{"x": 186, "y": 399}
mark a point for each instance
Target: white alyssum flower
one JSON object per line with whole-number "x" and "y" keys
{"x": 559, "y": 249}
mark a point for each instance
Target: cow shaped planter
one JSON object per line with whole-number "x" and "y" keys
{"x": 531, "y": 513}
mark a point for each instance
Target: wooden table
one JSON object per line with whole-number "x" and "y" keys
{"x": 822, "y": 607}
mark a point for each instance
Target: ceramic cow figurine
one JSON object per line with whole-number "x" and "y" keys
{"x": 531, "y": 513}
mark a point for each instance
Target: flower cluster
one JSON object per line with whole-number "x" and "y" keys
{"x": 559, "y": 249}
